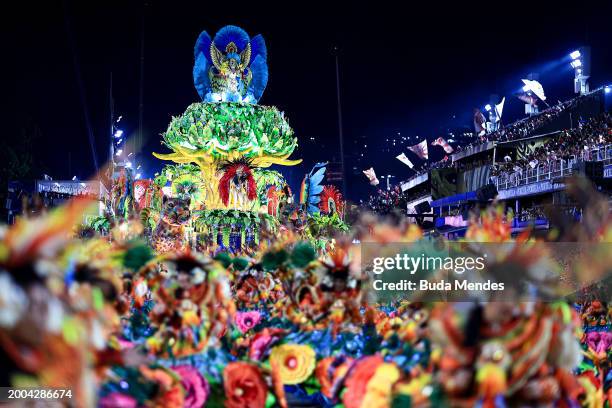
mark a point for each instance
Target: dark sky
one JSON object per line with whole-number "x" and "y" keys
{"x": 417, "y": 70}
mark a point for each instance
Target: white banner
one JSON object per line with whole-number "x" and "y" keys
{"x": 402, "y": 157}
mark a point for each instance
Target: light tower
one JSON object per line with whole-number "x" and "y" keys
{"x": 581, "y": 62}
{"x": 531, "y": 108}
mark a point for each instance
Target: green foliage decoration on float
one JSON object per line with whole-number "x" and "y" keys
{"x": 221, "y": 128}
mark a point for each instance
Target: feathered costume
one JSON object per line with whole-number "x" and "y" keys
{"x": 230, "y": 68}
{"x": 331, "y": 201}
{"x": 237, "y": 176}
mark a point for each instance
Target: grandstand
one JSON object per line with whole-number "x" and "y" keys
{"x": 524, "y": 165}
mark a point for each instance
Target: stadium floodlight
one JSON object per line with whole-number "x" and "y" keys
{"x": 118, "y": 133}
{"x": 607, "y": 89}
{"x": 119, "y": 152}
{"x": 128, "y": 165}
{"x": 575, "y": 54}
{"x": 576, "y": 63}
{"x": 488, "y": 107}
{"x": 138, "y": 176}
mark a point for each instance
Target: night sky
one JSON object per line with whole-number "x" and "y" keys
{"x": 417, "y": 71}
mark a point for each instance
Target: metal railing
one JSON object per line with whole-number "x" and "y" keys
{"x": 551, "y": 170}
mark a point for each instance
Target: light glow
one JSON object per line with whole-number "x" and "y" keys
{"x": 575, "y": 55}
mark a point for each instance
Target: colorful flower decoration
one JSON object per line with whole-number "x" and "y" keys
{"x": 244, "y": 386}
{"x": 247, "y": 320}
{"x": 295, "y": 362}
{"x": 195, "y": 385}
{"x": 378, "y": 390}
{"x": 357, "y": 382}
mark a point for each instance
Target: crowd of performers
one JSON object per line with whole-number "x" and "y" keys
{"x": 122, "y": 325}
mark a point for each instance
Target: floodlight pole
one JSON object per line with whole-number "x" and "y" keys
{"x": 582, "y": 72}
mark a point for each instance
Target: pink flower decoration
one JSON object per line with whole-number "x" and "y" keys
{"x": 258, "y": 346}
{"x": 247, "y": 320}
{"x": 117, "y": 400}
{"x": 262, "y": 341}
{"x": 195, "y": 385}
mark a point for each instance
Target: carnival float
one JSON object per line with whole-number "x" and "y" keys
{"x": 222, "y": 151}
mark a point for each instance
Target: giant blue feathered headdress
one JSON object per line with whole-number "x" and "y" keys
{"x": 230, "y": 67}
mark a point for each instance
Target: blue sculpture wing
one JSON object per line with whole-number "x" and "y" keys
{"x": 201, "y": 81}
{"x": 258, "y": 47}
{"x": 314, "y": 191}
{"x": 318, "y": 165}
{"x": 259, "y": 66}
{"x": 202, "y": 64}
{"x": 259, "y": 70}
{"x": 314, "y": 186}
{"x": 202, "y": 45}
{"x": 230, "y": 34}
{"x": 317, "y": 177}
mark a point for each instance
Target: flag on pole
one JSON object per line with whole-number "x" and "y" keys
{"x": 371, "y": 175}
{"x": 404, "y": 159}
{"x": 443, "y": 144}
{"x": 499, "y": 109}
{"x": 420, "y": 149}
{"x": 535, "y": 87}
